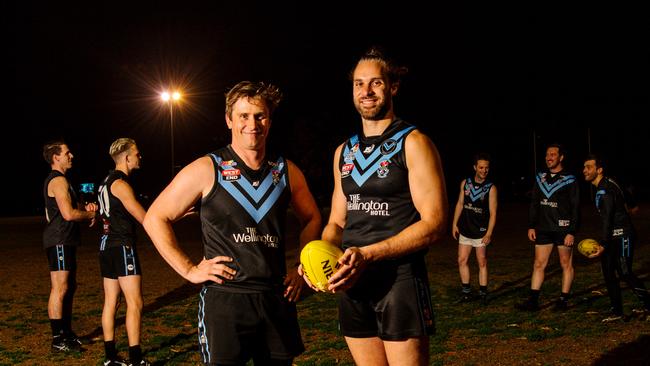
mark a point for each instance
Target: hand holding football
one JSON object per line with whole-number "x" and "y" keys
{"x": 319, "y": 260}
{"x": 588, "y": 247}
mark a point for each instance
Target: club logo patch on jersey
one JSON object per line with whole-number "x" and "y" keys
{"x": 231, "y": 174}
{"x": 369, "y": 149}
{"x": 349, "y": 155}
{"x": 388, "y": 146}
{"x": 227, "y": 163}
{"x": 276, "y": 176}
{"x": 346, "y": 169}
{"x": 383, "y": 170}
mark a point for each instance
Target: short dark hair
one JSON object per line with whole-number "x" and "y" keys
{"x": 52, "y": 148}
{"x": 269, "y": 93}
{"x": 559, "y": 147}
{"x": 389, "y": 66}
{"x": 599, "y": 161}
{"x": 481, "y": 156}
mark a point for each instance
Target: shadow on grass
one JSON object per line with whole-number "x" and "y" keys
{"x": 628, "y": 354}
{"x": 180, "y": 293}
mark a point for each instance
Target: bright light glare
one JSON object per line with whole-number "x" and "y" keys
{"x": 164, "y": 96}
{"x": 176, "y": 95}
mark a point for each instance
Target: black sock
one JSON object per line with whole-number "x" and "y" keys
{"x": 483, "y": 290}
{"x": 534, "y": 295}
{"x": 135, "y": 354}
{"x": 109, "y": 349}
{"x": 466, "y": 288}
{"x": 564, "y": 296}
{"x": 57, "y": 327}
{"x": 66, "y": 323}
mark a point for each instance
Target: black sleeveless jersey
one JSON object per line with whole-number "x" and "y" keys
{"x": 554, "y": 204}
{"x": 610, "y": 202}
{"x": 118, "y": 224}
{"x": 374, "y": 178}
{"x": 58, "y": 231}
{"x": 244, "y": 217}
{"x": 475, "y": 217}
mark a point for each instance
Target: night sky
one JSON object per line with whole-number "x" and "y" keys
{"x": 501, "y": 80}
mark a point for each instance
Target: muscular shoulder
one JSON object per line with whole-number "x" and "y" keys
{"x": 57, "y": 184}
{"x": 419, "y": 145}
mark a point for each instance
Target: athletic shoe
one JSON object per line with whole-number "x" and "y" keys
{"x": 614, "y": 315}
{"x": 142, "y": 363}
{"x": 464, "y": 298}
{"x": 114, "y": 363}
{"x": 642, "y": 314}
{"x": 484, "y": 298}
{"x": 612, "y": 318}
{"x": 61, "y": 344}
{"x": 561, "y": 305}
{"x": 528, "y": 305}
{"x": 73, "y": 338}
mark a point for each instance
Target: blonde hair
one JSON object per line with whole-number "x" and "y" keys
{"x": 120, "y": 146}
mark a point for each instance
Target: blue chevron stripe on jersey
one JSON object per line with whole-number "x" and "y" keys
{"x": 549, "y": 189}
{"x": 477, "y": 193}
{"x": 369, "y": 165}
{"x": 256, "y": 194}
{"x": 599, "y": 196}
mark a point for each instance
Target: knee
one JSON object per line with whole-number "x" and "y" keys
{"x": 135, "y": 304}
{"x": 567, "y": 264}
{"x": 539, "y": 265}
{"x": 482, "y": 263}
{"x": 462, "y": 261}
{"x": 60, "y": 290}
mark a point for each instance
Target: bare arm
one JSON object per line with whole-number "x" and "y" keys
{"x": 308, "y": 214}
{"x": 458, "y": 210}
{"x": 487, "y": 238}
{"x": 123, "y": 191}
{"x": 191, "y": 183}
{"x": 428, "y": 192}
{"x": 59, "y": 189}
{"x": 304, "y": 205}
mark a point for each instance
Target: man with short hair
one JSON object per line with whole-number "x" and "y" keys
{"x": 60, "y": 240}
{"x": 617, "y": 239}
{"x": 474, "y": 219}
{"x": 118, "y": 259}
{"x": 553, "y": 221}
{"x": 247, "y": 305}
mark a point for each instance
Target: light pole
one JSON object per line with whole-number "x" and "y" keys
{"x": 170, "y": 99}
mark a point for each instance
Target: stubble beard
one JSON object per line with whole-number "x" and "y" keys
{"x": 377, "y": 113}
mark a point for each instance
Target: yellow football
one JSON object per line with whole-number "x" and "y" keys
{"x": 319, "y": 260}
{"x": 588, "y": 247}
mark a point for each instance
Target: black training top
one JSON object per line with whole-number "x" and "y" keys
{"x": 58, "y": 231}
{"x": 118, "y": 223}
{"x": 610, "y": 202}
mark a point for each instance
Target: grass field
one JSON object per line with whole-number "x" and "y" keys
{"x": 467, "y": 334}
